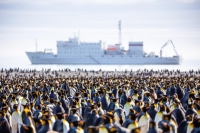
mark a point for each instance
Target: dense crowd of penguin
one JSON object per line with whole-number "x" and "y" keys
{"x": 141, "y": 102}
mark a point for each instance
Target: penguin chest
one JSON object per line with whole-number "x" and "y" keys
{"x": 198, "y": 113}
{"x": 116, "y": 106}
{"x": 158, "y": 117}
{"x": 127, "y": 107}
{"x": 190, "y": 127}
{"x": 103, "y": 130}
{"x": 15, "y": 120}
{"x": 135, "y": 97}
{"x": 23, "y": 101}
{"x": 132, "y": 125}
{"x": 144, "y": 122}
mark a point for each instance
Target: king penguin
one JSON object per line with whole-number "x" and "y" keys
{"x": 61, "y": 125}
{"x": 187, "y": 125}
{"x": 131, "y": 122}
{"x": 144, "y": 120}
{"x": 16, "y": 118}
{"x": 153, "y": 127}
{"x": 4, "y": 125}
{"x": 159, "y": 114}
{"x": 129, "y": 105}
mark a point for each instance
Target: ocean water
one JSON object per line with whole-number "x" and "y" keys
{"x": 184, "y": 66}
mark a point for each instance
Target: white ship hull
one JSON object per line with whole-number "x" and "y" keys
{"x": 75, "y": 52}
{"x": 44, "y": 58}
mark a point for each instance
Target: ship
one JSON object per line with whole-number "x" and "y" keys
{"x": 74, "y": 52}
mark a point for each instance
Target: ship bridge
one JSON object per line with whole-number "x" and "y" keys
{"x": 74, "y": 48}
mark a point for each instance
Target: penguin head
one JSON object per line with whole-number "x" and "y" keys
{"x": 129, "y": 99}
{"x": 197, "y": 122}
{"x": 113, "y": 130}
{"x": 2, "y": 114}
{"x": 166, "y": 116}
{"x": 15, "y": 106}
{"x": 192, "y": 94}
{"x": 114, "y": 100}
{"x": 144, "y": 109}
{"x": 132, "y": 114}
{"x": 45, "y": 121}
{"x": 5, "y": 109}
{"x": 136, "y": 130}
{"x": 92, "y": 129}
{"x": 73, "y": 110}
{"x": 162, "y": 107}
{"x": 80, "y": 123}
{"x": 60, "y": 115}
{"x": 106, "y": 119}
{"x": 152, "y": 124}
{"x": 166, "y": 127}
{"x": 38, "y": 107}
{"x": 190, "y": 117}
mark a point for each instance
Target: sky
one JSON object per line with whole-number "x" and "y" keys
{"x": 154, "y": 22}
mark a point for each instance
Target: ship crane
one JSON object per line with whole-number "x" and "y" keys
{"x": 169, "y": 41}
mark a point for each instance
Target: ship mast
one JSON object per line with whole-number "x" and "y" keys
{"x": 120, "y": 33}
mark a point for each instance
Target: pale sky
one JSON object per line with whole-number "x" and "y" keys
{"x": 151, "y": 21}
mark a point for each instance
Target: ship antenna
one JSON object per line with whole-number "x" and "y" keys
{"x": 36, "y": 44}
{"x": 120, "y": 33}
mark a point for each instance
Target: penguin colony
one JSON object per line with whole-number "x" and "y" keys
{"x": 143, "y": 101}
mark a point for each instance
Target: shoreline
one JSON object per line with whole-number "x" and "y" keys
{"x": 63, "y": 73}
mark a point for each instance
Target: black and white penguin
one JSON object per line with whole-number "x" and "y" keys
{"x": 128, "y": 105}
{"x": 131, "y": 122}
{"x": 114, "y": 104}
{"x": 45, "y": 125}
{"x": 153, "y": 127}
{"x": 91, "y": 118}
{"x": 159, "y": 114}
{"x": 123, "y": 98}
{"x": 191, "y": 110}
{"x": 5, "y": 109}
{"x": 196, "y": 122}
{"x": 168, "y": 123}
{"x": 144, "y": 120}
{"x": 4, "y": 125}
{"x": 27, "y": 124}
{"x": 37, "y": 112}
{"x": 73, "y": 116}
{"x": 16, "y": 119}
{"x": 178, "y": 113}
{"x": 152, "y": 111}
{"x": 187, "y": 125}
{"x": 105, "y": 101}
{"x": 61, "y": 125}
{"x": 77, "y": 127}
